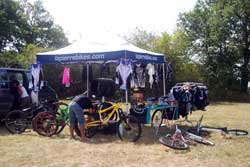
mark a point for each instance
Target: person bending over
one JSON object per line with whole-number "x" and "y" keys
{"x": 76, "y": 107}
{"x": 22, "y": 99}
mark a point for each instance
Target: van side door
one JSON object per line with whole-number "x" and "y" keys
{"x": 6, "y": 98}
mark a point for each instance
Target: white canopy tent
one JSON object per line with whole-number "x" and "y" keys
{"x": 100, "y": 50}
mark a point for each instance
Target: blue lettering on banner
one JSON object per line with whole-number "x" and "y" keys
{"x": 145, "y": 57}
{"x": 79, "y": 57}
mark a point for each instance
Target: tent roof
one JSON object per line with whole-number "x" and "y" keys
{"x": 99, "y": 50}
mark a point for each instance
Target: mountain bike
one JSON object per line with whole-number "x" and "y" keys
{"x": 17, "y": 121}
{"x": 175, "y": 141}
{"x": 181, "y": 140}
{"x": 128, "y": 127}
{"x": 205, "y": 130}
{"x": 192, "y": 137}
{"x": 57, "y": 117}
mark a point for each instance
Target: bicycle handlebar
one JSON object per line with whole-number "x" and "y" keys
{"x": 71, "y": 97}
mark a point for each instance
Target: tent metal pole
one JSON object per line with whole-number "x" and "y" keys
{"x": 126, "y": 95}
{"x": 164, "y": 83}
{"x": 87, "y": 79}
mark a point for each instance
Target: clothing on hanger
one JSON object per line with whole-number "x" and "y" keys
{"x": 123, "y": 73}
{"x": 169, "y": 72}
{"x": 139, "y": 76}
{"x": 36, "y": 76}
{"x": 66, "y": 77}
{"x": 156, "y": 75}
{"x": 104, "y": 70}
{"x": 151, "y": 71}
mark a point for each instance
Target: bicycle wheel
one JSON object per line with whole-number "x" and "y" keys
{"x": 45, "y": 124}
{"x": 89, "y": 131}
{"x": 198, "y": 139}
{"x": 61, "y": 117}
{"x": 175, "y": 144}
{"x": 156, "y": 121}
{"x": 15, "y": 122}
{"x": 129, "y": 128}
{"x": 237, "y": 132}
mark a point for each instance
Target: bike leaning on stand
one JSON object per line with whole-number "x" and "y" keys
{"x": 128, "y": 127}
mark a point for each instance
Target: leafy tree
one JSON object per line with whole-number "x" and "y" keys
{"x": 23, "y": 23}
{"x": 220, "y": 35}
{"x": 41, "y": 29}
{"x": 174, "y": 47}
{"x": 142, "y": 38}
{"x": 12, "y": 24}
{"x": 23, "y": 59}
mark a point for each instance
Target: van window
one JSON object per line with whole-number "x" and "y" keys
{"x": 3, "y": 80}
{"x": 15, "y": 75}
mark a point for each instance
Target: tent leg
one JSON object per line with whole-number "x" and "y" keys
{"x": 87, "y": 79}
{"x": 126, "y": 94}
{"x": 164, "y": 83}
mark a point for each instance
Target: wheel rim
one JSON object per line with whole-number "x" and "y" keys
{"x": 129, "y": 129}
{"x": 14, "y": 123}
{"x": 157, "y": 121}
{"x": 176, "y": 144}
{"x": 237, "y": 132}
{"x": 45, "y": 124}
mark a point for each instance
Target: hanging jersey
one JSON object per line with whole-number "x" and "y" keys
{"x": 123, "y": 72}
{"x": 66, "y": 80}
{"x": 151, "y": 72}
{"x": 139, "y": 76}
{"x": 35, "y": 75}
{"x": 169, "y": 71}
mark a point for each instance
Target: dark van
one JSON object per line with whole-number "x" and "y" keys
{"x": 6, "y": 97}
{"x": 24, "y": 77}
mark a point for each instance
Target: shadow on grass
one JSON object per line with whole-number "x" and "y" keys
{"x": 229, "y": 103}
{"x": 4, "y": 131}
{"x": 148, "y": 136}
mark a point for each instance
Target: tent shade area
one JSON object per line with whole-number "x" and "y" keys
{"x": 110, "y": 50}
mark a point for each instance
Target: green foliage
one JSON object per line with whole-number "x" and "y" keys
{"x": 174, "y": 47}
{"x": 12, "y": 24}
{"x": 23, "y": 23}
{"x": 8, "y": 59}
{"x": 23, "y": 59}
{"x": 41, "y": 29}
{"x": 28, "y": 55}
{"x": 220, "y": 36}
{"x": 25, "y": 28}
{"x": 143, "y": 39}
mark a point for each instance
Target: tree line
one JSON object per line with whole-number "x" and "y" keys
{"x": 211, "y": 43}
{"x": 26, "y": 28}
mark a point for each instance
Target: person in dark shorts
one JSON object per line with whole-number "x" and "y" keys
{"x": 76, "y": 108}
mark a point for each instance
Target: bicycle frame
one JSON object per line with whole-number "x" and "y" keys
{"x": 104, "y": 120}
{"x": 64, "y": 116}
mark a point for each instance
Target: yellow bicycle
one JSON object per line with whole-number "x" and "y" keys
{"x": 128, "y": 127}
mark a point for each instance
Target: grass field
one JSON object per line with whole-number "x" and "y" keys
{"x": 32, "y": 150}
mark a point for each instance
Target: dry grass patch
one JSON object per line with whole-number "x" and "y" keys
{"x": 30, "y": 149}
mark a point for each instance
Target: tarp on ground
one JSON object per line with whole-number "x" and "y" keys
{"x": 99, "y": 50}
